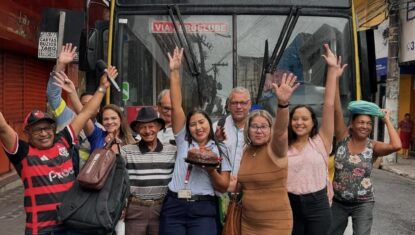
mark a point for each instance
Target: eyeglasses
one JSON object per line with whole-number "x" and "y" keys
{"x": 38, "y": 131}
{"x": 256, "y": 127}
{"x": 240, "y": 103}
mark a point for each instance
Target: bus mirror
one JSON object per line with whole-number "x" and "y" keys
{"x": 88, "y": 50}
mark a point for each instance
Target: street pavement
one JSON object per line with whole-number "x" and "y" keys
{"x": 404, "y": 167}
{"x": 394, "y": 212}
{"x": 12, "y": 216}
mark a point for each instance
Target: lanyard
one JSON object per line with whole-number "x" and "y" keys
{"x": 187, "y": 177}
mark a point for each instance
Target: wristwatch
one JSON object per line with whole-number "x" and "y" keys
{"x": 102, "y": 89}
{"x": 283, "y": 106}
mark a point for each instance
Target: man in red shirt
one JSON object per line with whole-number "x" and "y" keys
{"x": 44, "y": 162}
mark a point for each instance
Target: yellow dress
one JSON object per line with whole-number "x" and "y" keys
{"x": 266, "y": 207}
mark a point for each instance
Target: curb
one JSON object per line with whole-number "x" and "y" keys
{"x": 9, "y": 181}
{"x": 398, "y": 172}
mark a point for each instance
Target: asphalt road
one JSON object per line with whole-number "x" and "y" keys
{"x": 394, "y": 212}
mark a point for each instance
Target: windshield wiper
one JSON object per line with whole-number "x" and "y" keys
{"x": 187, "y": 47}
{"x": 279, "y": 48}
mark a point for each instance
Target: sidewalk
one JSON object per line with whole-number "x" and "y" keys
{"x": 9, "y": 181}
{"x": 404, "y": 167}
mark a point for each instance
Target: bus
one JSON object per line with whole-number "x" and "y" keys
{"x": 227, "y": 43}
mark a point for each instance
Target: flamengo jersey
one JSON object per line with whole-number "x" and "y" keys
{"x": 46, "y": 175}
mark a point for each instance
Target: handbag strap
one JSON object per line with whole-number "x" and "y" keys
{"x": 109, "y": 141}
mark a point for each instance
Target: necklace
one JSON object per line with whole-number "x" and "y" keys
{"x": 252, "y": 152}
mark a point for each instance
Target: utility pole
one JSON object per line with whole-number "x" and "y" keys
{"x": 392, "y": 80}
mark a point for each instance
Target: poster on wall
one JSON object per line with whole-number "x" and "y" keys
{"x": 48, "y": 45}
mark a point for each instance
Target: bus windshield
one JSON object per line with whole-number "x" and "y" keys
{"x": 229, "y": 52}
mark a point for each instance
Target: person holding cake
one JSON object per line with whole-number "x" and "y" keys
{"x": 190, "y": 206}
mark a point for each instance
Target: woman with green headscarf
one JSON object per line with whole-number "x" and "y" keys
{"x": 354, "y": 157}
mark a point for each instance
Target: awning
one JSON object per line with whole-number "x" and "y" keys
{"x": 369, "y": 13}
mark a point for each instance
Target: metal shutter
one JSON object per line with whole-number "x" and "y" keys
{"x": 36, "y": 74}
{"x": 4, "y": 162}
{"x": 13, "y": 89}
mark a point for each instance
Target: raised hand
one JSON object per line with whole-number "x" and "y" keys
{"x": 176, "y": 59}
{"x": 62, "y": 81}
{"x": 286, "y": 88}
{"x": 329, "y": 56}
{"x": 333, "y": 61}
{"x": 111, "y": 72}
{"x": 387, "y": 114}
{"x": 67, "y": 54}
{"x": 220, "y": 134}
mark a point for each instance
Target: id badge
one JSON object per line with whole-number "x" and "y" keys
{"x": 184, "y": 194}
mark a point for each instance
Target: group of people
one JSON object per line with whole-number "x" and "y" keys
{"x": 279, "y": 165}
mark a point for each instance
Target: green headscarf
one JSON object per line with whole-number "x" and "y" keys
{"x": 365, "y": 107}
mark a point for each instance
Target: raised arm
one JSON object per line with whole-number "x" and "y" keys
{"x": 340, "y": 127}
{"x": 326, "y": 130}
{"x": 178, "y": 117}
{"x": 279, "y": 138}
{"x": 63, "y": 82}
{"x": 395, "y": 144}
{"x": 90, "y": 108}
{"x": 7, "y": 134}
{"x": 63, "y": 114}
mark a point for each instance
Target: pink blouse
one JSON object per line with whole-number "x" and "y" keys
{"x": 307, "y": 169}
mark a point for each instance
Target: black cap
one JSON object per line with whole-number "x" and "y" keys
{"x": 36, "y": 116}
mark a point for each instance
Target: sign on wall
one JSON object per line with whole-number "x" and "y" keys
{"x": 48, "y": 45}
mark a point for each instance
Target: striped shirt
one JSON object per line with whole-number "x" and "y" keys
{"x": 46, "y": 174}
{"x": 149, "y": 172}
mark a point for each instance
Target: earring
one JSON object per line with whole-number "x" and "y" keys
{"x": 249, "y": 141}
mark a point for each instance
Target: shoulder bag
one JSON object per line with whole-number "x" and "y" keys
{"x": 232, "y": 224}
{"x": 97, "y": 168}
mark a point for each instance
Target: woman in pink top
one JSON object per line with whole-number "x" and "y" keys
{"x": 308, "y": 156}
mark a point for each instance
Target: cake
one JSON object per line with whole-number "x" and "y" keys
{"x": 202, "y": 157}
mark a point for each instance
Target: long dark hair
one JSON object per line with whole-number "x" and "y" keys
{"x": 292, "y": 137}
{"x": 189, "y": 115}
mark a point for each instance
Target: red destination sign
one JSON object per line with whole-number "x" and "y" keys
{"x": 191, "y": 27}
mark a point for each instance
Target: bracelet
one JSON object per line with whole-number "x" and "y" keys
{"x": 102, "y": 89}
{"x": 283, "y": 106}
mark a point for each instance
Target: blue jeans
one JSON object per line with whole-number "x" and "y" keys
{"x": 311, "y": 213}
{"x": 183, "y": 217}
{"x": 361, "y": 213}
